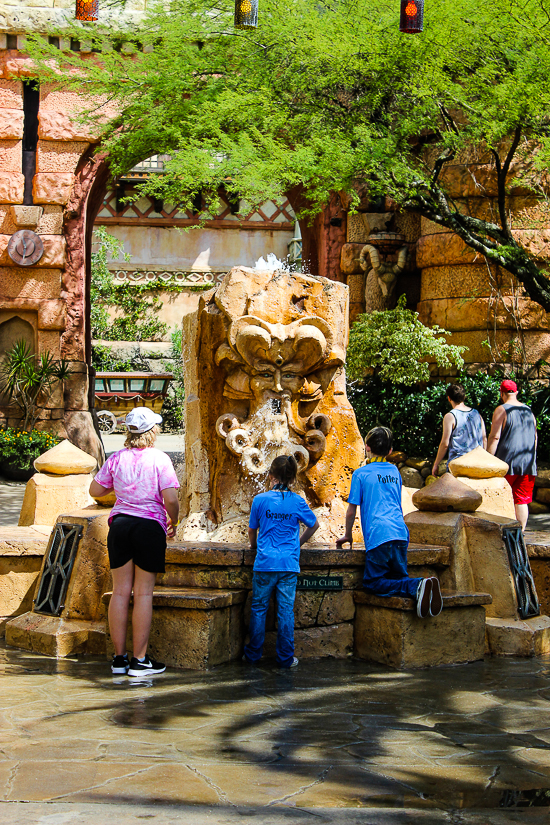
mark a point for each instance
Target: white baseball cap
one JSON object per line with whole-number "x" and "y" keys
{"x": 141, "y": 420}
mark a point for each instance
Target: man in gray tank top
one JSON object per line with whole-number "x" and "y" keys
{"x": 513, "y": 439}
{"x": 463, "y": 428}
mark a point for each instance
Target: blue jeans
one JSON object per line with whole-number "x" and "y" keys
{"x": 263, "y": 585}
{"x": 386, "y": 571}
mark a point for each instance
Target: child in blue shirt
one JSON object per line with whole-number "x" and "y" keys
{"x": 376, "y": 489}
{"x": 274, "y": 531}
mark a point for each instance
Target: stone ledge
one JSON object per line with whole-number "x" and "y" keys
{"x": 193, "y": 598}
{"x": 210, "y": 553}
{"x": 421, "y": 554}
{"x": 538, "y": 544}
{"x": 522, "y": 637}
{"x": 315, "y": 555}
{"x": 23, "y": 541}
{"x": 55, "y": 636}
{"x": 450, "y": 599}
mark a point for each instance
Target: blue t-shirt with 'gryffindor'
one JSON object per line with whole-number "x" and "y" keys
{"x": 278, "y": 514}
{"x": 376, "y": 488}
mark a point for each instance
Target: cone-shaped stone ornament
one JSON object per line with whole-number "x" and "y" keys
{"x": 65, "y": 459}
{"x": 478, "y": 463}
{"x": 447, "y": 494}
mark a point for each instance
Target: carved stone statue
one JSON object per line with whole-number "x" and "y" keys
{"x": 264, "y": 372}
{"x": 381, "y": 277}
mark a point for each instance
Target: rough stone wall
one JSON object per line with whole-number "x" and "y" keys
{"x": 51, "y": 294}
{"x": 462, "y": 294}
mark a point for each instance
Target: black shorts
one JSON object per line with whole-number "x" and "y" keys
{"x": 141, "y": 540}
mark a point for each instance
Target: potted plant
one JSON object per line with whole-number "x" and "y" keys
{"x": 27, "y": 381}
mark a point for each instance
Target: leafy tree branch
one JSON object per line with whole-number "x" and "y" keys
{"x": 340, "y": 101}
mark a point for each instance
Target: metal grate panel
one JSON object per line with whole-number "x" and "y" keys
{"x": 56, "y": 575}
{"x": 528, "y": 603}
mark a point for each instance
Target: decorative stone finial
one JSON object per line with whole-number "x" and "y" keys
{"x": 447, "y": 494}
{"x": 65, "y": 459}
{"x": 478, "y": 463}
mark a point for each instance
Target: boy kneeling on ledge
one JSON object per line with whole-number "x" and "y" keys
{"x": 376, "y": 489}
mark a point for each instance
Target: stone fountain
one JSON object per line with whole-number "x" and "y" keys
{"x": 264, "y": 359}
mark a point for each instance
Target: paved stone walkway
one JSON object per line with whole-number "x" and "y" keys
{"x": 11, "y": 499}
{"x": 332, "y": 741}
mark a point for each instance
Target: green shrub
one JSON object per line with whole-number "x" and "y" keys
{"x": 415, "y": 414}
{"x": 21, "y": 448}
{"x": 396, "y": 346}
{"x": 28, "y": 380}
{"x": 104, "y": 359}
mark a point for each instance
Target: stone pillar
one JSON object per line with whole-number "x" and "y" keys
{"x": 61, "y": 484}
{"x": 479, "y": 562}
{"x": 461, "y": 293}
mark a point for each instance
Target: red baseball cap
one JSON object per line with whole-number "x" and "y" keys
{"x": 508, "y": 386}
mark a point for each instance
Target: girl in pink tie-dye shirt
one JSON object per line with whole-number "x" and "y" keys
{"x": 145, "y": 485}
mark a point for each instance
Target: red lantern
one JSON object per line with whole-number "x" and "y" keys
{"x": 412, "y": 16}
{"x": 87, "y": 10}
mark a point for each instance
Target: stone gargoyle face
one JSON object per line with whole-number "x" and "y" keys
{"x": 274, "y": 365}
{"x": 273, "y": 382}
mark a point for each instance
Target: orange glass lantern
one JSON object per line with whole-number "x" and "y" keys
{"x": 246, "y": 14}
{"x": 411, "y": 20}
{"x": 87, "y": 10}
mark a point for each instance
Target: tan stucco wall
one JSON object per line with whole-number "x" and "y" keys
{"x": 159, "y": 247}
{"x": 175, "y": 306}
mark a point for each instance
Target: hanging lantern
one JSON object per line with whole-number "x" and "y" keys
{"x": 87, "y": 10}
{"x": 246, "y": 14}
{"x": 412, "y": 16}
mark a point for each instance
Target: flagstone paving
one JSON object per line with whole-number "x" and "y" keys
{"x": 331, "y": 735}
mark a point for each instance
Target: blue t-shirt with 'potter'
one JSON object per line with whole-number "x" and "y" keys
{"x": 376, "y": 488}
{"x": 278, "y": 514}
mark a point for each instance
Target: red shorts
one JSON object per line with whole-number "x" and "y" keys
{"x": 522, "y": 488}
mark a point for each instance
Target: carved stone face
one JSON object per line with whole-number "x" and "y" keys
{"x": 272, "y": 364}
{"x": 273, "y": 382}
{"x": 263, "y": 357}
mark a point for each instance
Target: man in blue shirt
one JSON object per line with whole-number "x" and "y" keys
{"x": 376, "y": 489}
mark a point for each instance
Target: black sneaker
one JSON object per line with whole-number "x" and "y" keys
{"x": 120, "y": 664}
{"x": 294, "y": 663}
{"x": 436, "y": 604}
{"x": 424, "y": 598}
{"x": 146, "y": 668}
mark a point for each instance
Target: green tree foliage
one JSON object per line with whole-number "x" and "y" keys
{"x": 173, "y": 410}
{"x": 331, "y": 97}
{"x": 397, "y": 346}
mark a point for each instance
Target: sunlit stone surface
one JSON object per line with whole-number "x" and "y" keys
{"x": 264, "y": 358}
{"x": 331, "y": 735}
